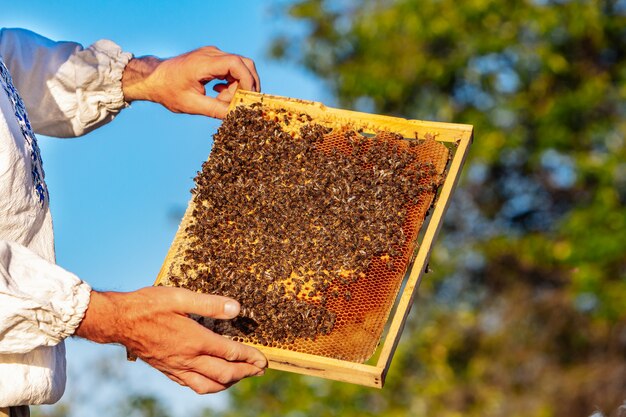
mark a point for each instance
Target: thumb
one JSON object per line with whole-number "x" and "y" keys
{"x": 207, "y": 106}
{"x": 206, "y": 305}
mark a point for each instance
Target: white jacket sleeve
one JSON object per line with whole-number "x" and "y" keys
{"x": 68, "y": 90}
{"x": 40, "y": 302}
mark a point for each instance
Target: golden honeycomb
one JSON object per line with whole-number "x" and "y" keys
{"x": 361, "y": 316}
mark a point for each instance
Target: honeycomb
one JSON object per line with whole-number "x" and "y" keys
{"x": 365, "y": 305}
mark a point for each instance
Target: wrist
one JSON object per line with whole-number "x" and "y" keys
{"x": 135, "y": 75}
{"x": 101, "y": 321}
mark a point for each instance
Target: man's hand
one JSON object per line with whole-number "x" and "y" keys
{"x": 153, "y": 324}
{"x": 178, "y": 83}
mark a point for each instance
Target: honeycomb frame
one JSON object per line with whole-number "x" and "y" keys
{"x": 382, "y": 339}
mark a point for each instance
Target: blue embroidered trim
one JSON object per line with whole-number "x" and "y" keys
{"x": 27, "y": 131}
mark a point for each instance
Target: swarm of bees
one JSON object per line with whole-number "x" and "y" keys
{"x": 285, "y": 227}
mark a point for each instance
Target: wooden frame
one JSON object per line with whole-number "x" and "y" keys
{"x": 454, "y": 135}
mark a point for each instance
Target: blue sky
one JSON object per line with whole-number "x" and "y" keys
{"x": 116, "y": 193}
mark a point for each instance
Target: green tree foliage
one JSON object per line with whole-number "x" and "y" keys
{"x": 524, "y": 313}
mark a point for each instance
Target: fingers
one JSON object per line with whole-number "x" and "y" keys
{"x": 230, "y": 67}
{"x": 250, "y": 64}
{"x": 211, "y": 373}
{"x": 201, "y": 384}
{"x": 197, "y": 382}
{"x": 234, "y": 66}
{"x": 209, "y": 343}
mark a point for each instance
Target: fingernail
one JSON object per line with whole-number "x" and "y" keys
{"x": 231, "y": 308}
{"x": 260, "y": 364}
{"x": 260, "y": 373}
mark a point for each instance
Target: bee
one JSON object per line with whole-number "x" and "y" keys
{"x": 389, "y": 264}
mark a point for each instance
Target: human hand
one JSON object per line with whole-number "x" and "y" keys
{"x": 153, "y": 324}
{"x": 178, "y": 83}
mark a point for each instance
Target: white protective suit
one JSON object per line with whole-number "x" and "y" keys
{"x": 67, "y": 91}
